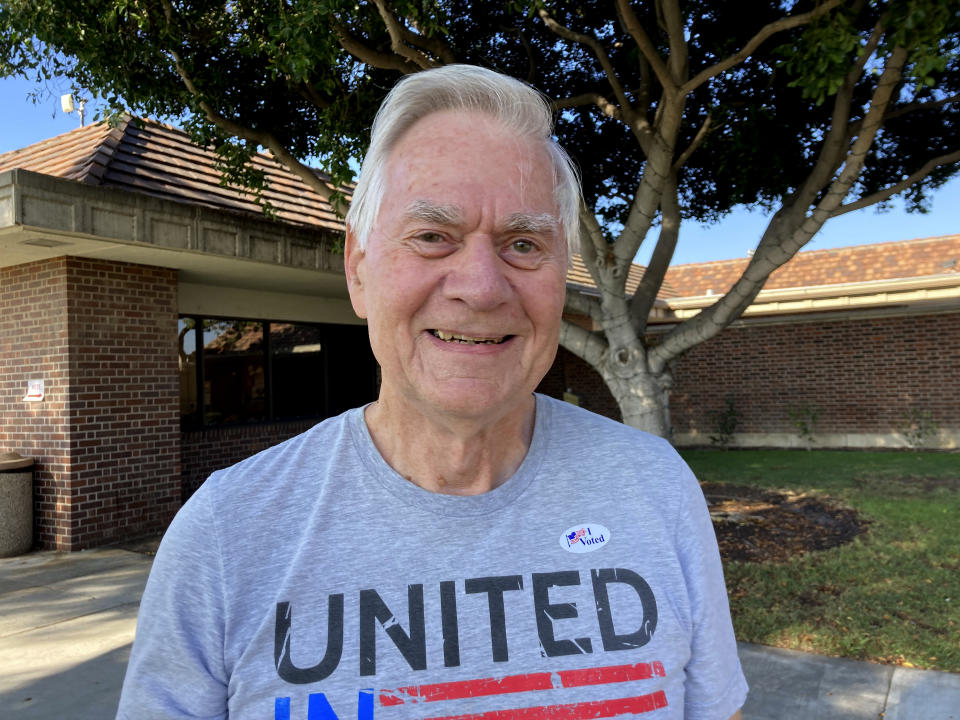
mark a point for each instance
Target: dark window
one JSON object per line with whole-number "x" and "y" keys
{"x": 234, "y": 374}
{"x": 254, "y": 370}
{"x": 187, "y": 353}
{"x": 351, "y": 368}
{"x": 298, "y": 362}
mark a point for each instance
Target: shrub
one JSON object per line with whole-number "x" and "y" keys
{"x": 918, "y": 428}
{"x": 805, "y": 417}
{"x": 725, "y": 422}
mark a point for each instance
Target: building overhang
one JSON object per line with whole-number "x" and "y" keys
{"x": 43, "y": 217}
{"x": 876, "y": 298}
{"x": 931, "y": 293}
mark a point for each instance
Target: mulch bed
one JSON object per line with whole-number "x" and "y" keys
{"x": 755, "y": 525}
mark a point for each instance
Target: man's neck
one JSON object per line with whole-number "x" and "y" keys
{"x": 454, "y": 456}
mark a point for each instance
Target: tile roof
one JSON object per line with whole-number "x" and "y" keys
{"x": 150, "y": 158}
{"x": 579, "y": 275}
{"x": 862, "y": 263}
{"x": 159, "y": 160}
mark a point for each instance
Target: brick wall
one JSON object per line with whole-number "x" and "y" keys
{"x": 34, "y": 345}
{"x": 862, "y": 375}
{"x": 107, "y": 442}
{"x": 102, "y": 336}
{"x": 570, "y": 373}
{"x": 203, "y": 451}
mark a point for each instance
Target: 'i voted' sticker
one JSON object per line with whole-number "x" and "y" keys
{"x": 584, "y": 538}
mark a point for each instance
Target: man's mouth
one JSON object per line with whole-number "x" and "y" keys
{"x": 468, "y": 339}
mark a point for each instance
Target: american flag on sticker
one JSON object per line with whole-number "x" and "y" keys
{"x": 603, "y": 692}
{"x": 576, "y": 535}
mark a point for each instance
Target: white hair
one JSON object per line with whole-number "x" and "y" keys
{"x": 519, "y": 108}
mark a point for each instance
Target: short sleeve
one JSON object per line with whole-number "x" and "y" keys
{"x": 715, "y": 687}
{"x": 176, "y": 667}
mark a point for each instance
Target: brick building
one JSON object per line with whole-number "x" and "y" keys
{"x": 866, "y": 337}
{"x": 176, "y": 330}
{"x": 859, "y": 342}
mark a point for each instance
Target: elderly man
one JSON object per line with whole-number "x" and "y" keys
{"x": 461, "y": 548}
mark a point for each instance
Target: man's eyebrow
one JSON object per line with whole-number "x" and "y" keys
{"x": 534, "y": 223}
{"x": 428, "y": 211}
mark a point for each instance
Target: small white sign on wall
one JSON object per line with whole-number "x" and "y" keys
{"x": 34, "y": 391}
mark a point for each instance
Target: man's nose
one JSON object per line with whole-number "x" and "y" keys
{"x": 477, "y": 275}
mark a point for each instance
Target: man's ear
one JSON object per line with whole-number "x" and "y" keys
{"x": 353, "y": 258}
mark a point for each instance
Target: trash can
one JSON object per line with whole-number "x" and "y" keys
{"x": 16, "y": 504}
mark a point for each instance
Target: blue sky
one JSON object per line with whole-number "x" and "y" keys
{"x": 22, "y": 122}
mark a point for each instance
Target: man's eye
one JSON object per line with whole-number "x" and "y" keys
{"x": 524, "y": 247}
{"x": 430, "y": 237}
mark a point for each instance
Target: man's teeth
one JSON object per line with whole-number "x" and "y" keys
{"x": 467, "y": 339}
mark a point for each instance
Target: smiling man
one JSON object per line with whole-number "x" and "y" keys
{"x": 462, "y": 547}
{"x": 461, "y": 278}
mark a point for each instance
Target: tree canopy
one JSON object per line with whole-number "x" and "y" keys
{"x": 809, "y": 108}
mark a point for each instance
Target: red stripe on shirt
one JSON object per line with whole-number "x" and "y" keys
{"x": 520, "y": 683}
{"x": 574, "y": 711}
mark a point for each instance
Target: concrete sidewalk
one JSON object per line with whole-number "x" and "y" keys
{"x": 67, "y": 621}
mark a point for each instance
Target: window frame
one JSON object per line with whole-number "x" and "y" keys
{"x": 198, "y": 419}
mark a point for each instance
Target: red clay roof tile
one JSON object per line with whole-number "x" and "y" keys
{"x": 579, "y": 275}
{"x": 862, "y": 263}
{"x": 161, "y": 161}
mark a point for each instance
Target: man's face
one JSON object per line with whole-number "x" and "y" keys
{"x": 463, "y": 278}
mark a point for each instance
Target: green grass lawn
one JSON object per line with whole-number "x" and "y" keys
{"x": 893, "y": 594}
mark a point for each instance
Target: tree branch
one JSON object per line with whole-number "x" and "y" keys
{"x": 583, "y": 305}
{"x": 889, "y": 192}
{"x": 763, "y": 34}
{"x": 906, "y": 109}
{"x": 606, "y": 107}
{"x": 836, "y": 145}
{"x": 582, "y": 343}
{"x": 673, "y": 20}
{"x": 368, "y": 55}
{"x": 643, "y": 94}
{"x": 785, "y": 234}
{"x": 694, "y": 144}
{"x": 646, "y": 293}
{"x": 259, "y": 137}
{"x": 598, "y": 50}
{"x": 857, "y": 156}
{"x": 647, "y": 49}
{"x": 643, "y": 210}
{"x": 398, "y": 36}
{"x": 309, "y": 93}
{"x": 710, "y": 321}
{"x": 593, "y": 244}
{"x": 432, "y": 44}
{"x": 528, "y": 48}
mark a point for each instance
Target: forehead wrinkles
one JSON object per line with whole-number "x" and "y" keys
{"x": 447, "y": 214}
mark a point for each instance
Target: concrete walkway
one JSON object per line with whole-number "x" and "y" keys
{"x": 67, "y": 621}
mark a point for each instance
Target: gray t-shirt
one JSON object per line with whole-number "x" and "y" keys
{"x": 313, "y": 582}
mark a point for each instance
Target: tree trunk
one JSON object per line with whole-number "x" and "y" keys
{"x": 643, "y": 399}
